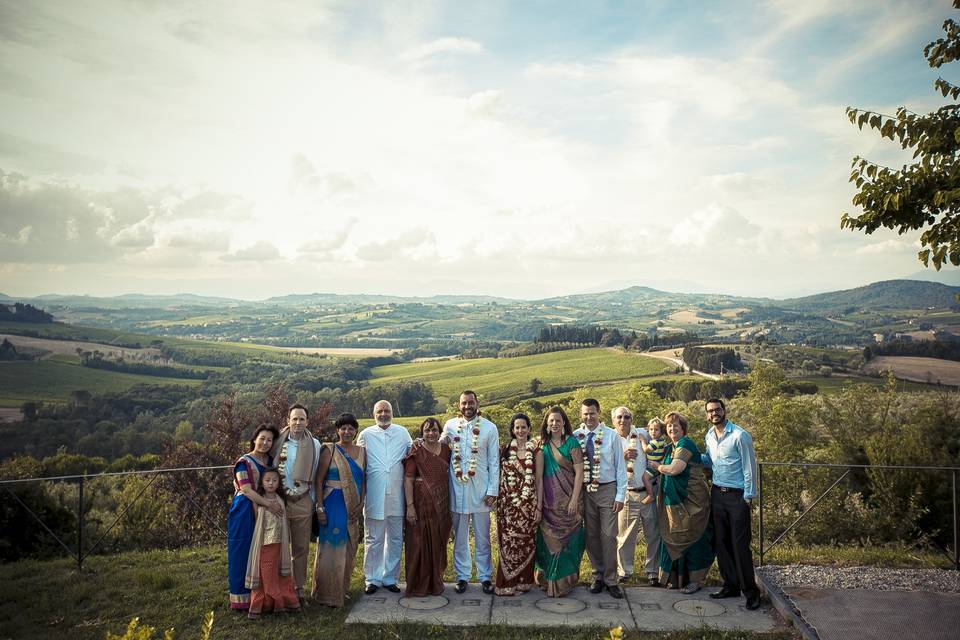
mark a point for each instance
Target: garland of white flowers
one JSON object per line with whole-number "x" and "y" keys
{"x": 591, "y": 468}
{"x": 527, "y": 491}
{"x": 632, "y": 446}
{"x": 466, "y": 476}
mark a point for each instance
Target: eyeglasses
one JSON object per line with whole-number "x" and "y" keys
{"x": 717, "y": 410}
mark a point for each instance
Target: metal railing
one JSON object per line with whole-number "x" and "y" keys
{"x": 79, "y": 553}
{"x": 764, "y": 548}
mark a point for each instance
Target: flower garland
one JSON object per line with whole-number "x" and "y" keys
{"x": 591, "y": 468}
{"x": 466, "y": 476}
{"x": 632, "y": 446}
{"x": 527, "y": 490}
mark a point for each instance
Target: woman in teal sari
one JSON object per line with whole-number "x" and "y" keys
{"x": 560, "y": 537}
{"x": 340, "y": 484}
{"x": 686, "y": 547}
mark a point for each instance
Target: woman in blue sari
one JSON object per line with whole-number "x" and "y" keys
{"x": 340, "y": 483}
{"x": 242, "y": 517}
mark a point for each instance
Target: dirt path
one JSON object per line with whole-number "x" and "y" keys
{"x": 663, "y": 355}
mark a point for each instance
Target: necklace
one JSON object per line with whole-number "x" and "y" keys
{"x": 527, "y": 486}
{"x": 471, "y": 470}
{"x": 591, "y": 468}
{"x": 631, "y": 447}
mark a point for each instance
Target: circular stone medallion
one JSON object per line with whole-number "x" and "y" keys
{"x": 562, "y": 606}
{"x": 699, "y": 608}
{"x": 426, "y": 603}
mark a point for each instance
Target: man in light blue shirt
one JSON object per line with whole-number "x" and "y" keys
{"x": 605, "y": 488}
{"x": 731, "y": 456}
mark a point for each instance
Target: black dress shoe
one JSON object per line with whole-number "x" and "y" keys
{"x": 597, "y": 586}
{"x": 725, "y": 592}
{"x": 753, "y": 602}
{"x": 461, "y": 586}
{"x": 615, "y": 592}
{"x": 487, "y": 587}
{"x": 392, "y": 588}
{"x": 371, "y": 589}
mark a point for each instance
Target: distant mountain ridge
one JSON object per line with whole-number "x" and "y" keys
{"x": 887, "y": 294}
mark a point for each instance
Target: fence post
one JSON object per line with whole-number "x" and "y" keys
{"x": 956, "y": 549}
{"x": 80, "y": 527}
{"x": 760, "y": 496}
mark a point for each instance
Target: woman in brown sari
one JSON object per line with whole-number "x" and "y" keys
{"x": 340, "y": 490}
{"x": 518, "y": 510}
{"x": 560, "y": 538}
{"x": 428, "y": 520}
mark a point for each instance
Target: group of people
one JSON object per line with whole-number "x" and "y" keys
{"x": 557, "y": 493}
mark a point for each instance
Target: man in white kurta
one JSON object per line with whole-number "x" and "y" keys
{"x": 387, "y": 444}
{"x": 474, "y": 486}
{"x": 605, "y": 486}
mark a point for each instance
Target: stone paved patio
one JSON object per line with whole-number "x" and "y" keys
{"x": 644, "y": 609}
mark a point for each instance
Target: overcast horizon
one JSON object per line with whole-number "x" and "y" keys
{"x": 514, "y": 150}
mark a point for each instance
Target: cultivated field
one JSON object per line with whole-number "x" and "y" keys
{"x": 499, "y": 378}
{"x": 929, "y": 370}
{"x": 69, "y": 347}
{"x": 343, "y": 352}
{"x": 53, "y": 381}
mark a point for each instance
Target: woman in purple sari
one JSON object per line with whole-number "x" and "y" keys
{"x": 560, "y": 538}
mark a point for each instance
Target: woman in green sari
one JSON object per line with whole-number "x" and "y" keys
{"x": 560, "y": 537}
{"x": 686, "y": 547}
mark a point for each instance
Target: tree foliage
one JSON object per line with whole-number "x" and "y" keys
{"x": 924, "y": 194}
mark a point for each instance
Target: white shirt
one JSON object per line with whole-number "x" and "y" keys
{"x": 292, "y": 447}
{"x": 640, "y": 464}
{"x": 386, "y": 449}
{"x": 613, "y": 468}
{"x": 467, "y": 497}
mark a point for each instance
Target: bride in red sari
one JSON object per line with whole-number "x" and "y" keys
{"x": 518, "y": 510}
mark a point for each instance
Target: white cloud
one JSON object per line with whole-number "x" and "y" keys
{"x": 260, "y": 250}
{"x": 886, "y": 247}
{"x": 443, "y": 46}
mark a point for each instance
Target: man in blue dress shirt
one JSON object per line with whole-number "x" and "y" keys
{"x": 731, "y": 456}
{"x": 604, "y": 491}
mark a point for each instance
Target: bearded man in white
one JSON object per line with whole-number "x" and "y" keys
{"x": 387, "y": 444}
{"x": 474, "y": 486}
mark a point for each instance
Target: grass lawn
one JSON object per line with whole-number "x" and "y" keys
{"x": 177, "y": 588}
{"x": 52, "y": 381}
{"x": 499, "y": 378}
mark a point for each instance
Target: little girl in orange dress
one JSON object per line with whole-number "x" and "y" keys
{"x": 269, "y": 566}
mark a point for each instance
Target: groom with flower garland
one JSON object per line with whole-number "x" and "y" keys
{"x": 474, "y": 486}
{"x": 605, "y": 488}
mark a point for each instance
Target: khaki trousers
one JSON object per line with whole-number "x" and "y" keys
{"x": 300, "y": 518}
{"x": 600, "y": 523}
{"x": 630, "y": 519}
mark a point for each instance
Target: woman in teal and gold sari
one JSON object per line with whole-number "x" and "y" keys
{"x": 560, "y": 538}
{"x": 340, "y": 483}
{"x": 686, "y": 547}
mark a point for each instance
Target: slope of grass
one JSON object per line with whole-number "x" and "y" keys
{"x": 53, "y": 381}
{"x": 500, "y": 378}
{"x": 177, "y": 588}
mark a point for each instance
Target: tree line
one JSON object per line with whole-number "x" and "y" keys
{"x": 19, "y": 312}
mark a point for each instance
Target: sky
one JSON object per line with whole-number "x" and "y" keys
{"x": 518, "y": 149}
